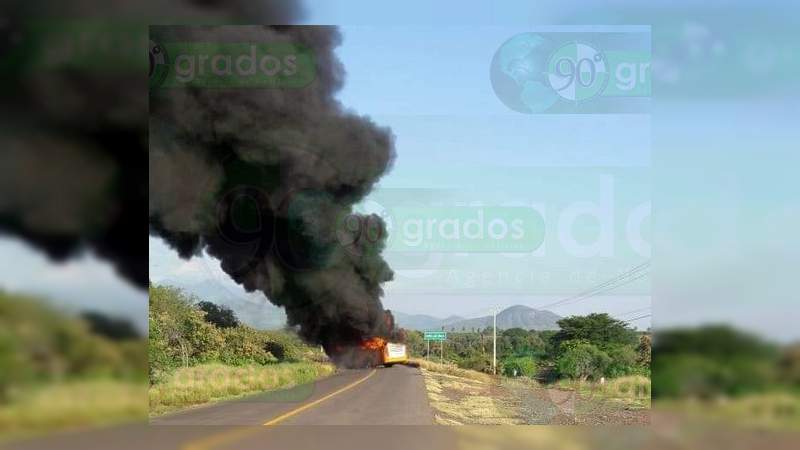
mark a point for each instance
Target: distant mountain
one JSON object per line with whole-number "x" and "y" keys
{"x": 518, "y": 316}
{"x": 422, "y": 321}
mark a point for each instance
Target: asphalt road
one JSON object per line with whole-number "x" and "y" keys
{"x": 284, "y": 419}
{"x": 382, "y": 396}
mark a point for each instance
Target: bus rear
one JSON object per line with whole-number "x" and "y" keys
{"x": 394, "y": 353}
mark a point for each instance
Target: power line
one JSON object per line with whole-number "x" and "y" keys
{"x": 634, "y": 311}
{"x": 609, "y": 285}
{"x": 637, "y": 318}
{"x": 605, "y": 286}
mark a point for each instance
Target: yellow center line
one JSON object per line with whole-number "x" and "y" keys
{"x": 234, "y": 435}
{"x": 283, "y": 417}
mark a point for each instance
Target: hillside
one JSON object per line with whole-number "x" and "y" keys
{"x": 518, "y": 316}
{"x": 423, "y": 321}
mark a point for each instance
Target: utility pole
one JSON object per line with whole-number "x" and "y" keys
{"x": 494, "y": 341}
{"x": 428, "y": 353}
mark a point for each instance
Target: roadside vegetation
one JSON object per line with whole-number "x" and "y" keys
{"x": 61, "y": 371}
{"x": 593, "y": 370}
{"x": 200, "y": 352}
{"x": 633, "y": 391}
{"x": 720, "y": 374}
{"x": 205, "y": 383}
{"x": 586, "y": 348}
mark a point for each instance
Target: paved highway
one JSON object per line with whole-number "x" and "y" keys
{"x": 382, "y": 396}
{"x": 283, "y": 419}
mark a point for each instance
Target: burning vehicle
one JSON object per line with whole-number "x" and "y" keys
{"x": 381, "y": 352}
{"x": 373, "y": 351}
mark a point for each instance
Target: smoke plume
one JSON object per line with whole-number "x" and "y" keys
{"x": 265, "y": 180}
{"x": 73, "y": 164}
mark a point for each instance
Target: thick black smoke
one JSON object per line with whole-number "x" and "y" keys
{"x": 73, "y": 139}
{"x": 265, "y": 181}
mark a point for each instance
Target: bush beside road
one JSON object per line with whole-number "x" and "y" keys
{"x": 199, "y": 357}
{"x": 63, "y": 371}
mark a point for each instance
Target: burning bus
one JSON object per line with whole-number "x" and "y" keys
{"x": 381, "y": 352}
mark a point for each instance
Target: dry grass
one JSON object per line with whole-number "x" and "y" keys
{"x": 771, "y": 411}
{"x": 515, "y": 438}
{"x": 74, "y": 405}
{"x": 207, "y": 383}
{"x": 452, "y": 369}
{"x": 632, "y": 390}
{"x": 460, "y": 396}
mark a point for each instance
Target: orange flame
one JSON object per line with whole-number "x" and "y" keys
{"x": 374, "y": 343}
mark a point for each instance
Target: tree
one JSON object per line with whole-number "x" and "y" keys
{"x": 789, "y": 364}
{"x": 221, "y": 316}
{"x": 599, "y": 329}
{"x": 582, "y": 361}
{"x": 14, "y": 367}
{"x": 713, "y": 341}
{"x": 623, "y": 360}
{"x": 415, "y": 343}
{"x": 476, "y": 361}
{"x": 179, "y": 335}
{"x": 116, "y": 329}
{"x": 244, "y": 345}
{"x": 710, "y": 361}
{"x": 644, "y": 350}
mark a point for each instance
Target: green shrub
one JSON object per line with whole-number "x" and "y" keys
{"x": 524, "y": 366}
{"x": 40, "y": 344}
{"x": 244, "y": 345}
{"x": 286, "y": 346}
{"x": 698, "y": 376}
{"x": 712, "y": 360}
{"x": 205, "y": 339}
{"x": 582, "y": 361}
{"x": 181, "y": 336}
{"x": 476, "y": 361}
{"x": 624, "y": 361}
{"x": 14, "y": 366}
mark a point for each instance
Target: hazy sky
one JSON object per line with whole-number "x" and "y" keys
{"x": 717, "y": 157}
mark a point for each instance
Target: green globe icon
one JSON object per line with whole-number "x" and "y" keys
{"x": 518, "y": 74}
{"x": 532, "y": 74}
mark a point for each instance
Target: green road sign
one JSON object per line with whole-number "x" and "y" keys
{"x": 435, "y": 335}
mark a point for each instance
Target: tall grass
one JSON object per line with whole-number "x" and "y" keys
{"x": 767, "y": 411}
{"x": 206, "y": 383}
{"x": 73, "y": 404}
{"x": 633, "y": 389}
